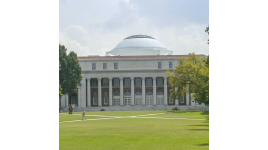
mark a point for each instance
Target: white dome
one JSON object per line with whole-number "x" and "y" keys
{"x": 139, "y": 45}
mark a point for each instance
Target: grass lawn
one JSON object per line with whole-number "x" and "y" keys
{"x": 182, "y": 130}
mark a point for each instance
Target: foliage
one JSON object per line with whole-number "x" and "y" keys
{"x": 191, "y": 75}
{"x": 60, "y": 91}
{"x": 207, "y": 30}
{"x": 70, "y": 70}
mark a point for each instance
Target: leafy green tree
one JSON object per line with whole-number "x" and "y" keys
{"x": 70, "y": 70}
{"x": 191, "y": 75}
{"x": 207, "y": 30}
{"x": 60, "y": 91}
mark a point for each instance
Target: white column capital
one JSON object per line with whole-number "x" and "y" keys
{"x": 121, "y": 78}
{"x": 110, "y": 78}
{"x": 154, "y": 77}
{"x": 99, "y": 78}
{"x": 88, "y": 79}
{"x": 132, "y": 78}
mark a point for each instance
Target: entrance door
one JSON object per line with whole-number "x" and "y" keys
{"x": 116, "y": 99}
{"x": 138, "y": 100}
{"x": 127, "y": 98}
{"x": 149, "y": 98}
{"x": 160, "y": 98}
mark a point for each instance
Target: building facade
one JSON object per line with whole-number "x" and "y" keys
{"x": 130, "y": 77}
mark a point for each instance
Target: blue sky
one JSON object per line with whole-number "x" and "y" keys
{"x": 94, "y": 27}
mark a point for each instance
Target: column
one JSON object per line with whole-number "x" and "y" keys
{"x": 66, "y": 100}
{"x": 143, "y": 90}
{"x": 165, "y": 91}
{"x": 187, "y": 95}
{"x": 99, "y": 92}
{"x": 154, "y": 90}
{"x": 79, "y": 96}
{"x": 132, "y": 90}
{"x": 121, "y": 91}
{"x": 88, "y": 93}
{"x": 83, "y": 92}
{"x": 110, "y": 91}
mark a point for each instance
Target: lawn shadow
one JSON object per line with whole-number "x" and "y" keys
{"x": 198, "y": 125}
{"x": 205, "y": 113}
{"x": 205, "y": 144}
{"x": 199, "y": 129}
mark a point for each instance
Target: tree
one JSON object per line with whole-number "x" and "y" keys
{"x": 60, "y": 90}
{"x": 70, "y": 70}
{"x": 207, "y": 30}
{"x": 191, "y": 75}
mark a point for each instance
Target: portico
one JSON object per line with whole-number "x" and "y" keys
{"x": 125, "y": 80}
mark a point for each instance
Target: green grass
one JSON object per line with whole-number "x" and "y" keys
{"x": 135, "y": 133}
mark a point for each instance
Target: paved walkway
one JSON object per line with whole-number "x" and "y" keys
{"x": 113, "y": 117}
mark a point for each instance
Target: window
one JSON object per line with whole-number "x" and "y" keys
{"x": 115, "y": 65}
{"x": 159, "y": 81}
{"x": 170, "y": 65}
{"x": 93, "y": 66}
{"x": 105, "y": 82}
{"x": 105, "y": 98}
{"x": 95, "y": 98}
{"x": 171, "y": 101}
{"x": 104, "y": 66}
{"x": 181, "y": 99}
{"x": 116, "y": 82}
{"x": 149, "y": 81}
{"x": 138, "y": 82}
{"x": 127, "y": 82}
{"x": 94, "y": 82}
{"x": 159, "y": 65}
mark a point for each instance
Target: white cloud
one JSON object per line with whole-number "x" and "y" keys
{"x": 101, "y": 28}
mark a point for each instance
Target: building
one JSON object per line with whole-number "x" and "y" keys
{"x": 130, "y": 77}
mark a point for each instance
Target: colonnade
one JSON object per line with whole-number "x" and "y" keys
{"x": 85, "y": 101}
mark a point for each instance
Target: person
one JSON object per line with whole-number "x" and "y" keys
{"x": 70, "y": 111}
{"x": 84, "y": 115}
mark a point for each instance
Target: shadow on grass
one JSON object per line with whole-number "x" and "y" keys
{"x": 205, "y": 113}
{"x": 199, "y": 129}
{"x": 205, "y": 144}
{"x": 198, "y": 125}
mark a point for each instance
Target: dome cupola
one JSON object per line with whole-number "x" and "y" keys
{"x": 139, "y": 45}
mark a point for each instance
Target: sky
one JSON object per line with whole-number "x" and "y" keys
{"x": 95, "y": 27}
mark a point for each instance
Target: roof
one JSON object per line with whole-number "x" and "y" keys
{"x": 139, "y": 36}
{"x": 140, "y": 56}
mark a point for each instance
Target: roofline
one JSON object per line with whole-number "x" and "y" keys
{"x": 137, "y": 56}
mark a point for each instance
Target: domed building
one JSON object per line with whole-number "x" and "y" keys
{"x": 139, "y": 45}
{"x": 130, "y": 77}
